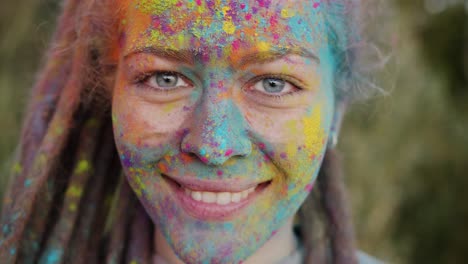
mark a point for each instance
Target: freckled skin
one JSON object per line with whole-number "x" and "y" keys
{"x": 218, "y": 126}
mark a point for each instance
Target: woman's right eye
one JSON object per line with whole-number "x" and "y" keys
{"x": 166, "y": 81}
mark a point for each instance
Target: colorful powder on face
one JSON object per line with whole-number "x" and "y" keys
{"x": 208, "y": 136}
{"x": 156, "y": 7}
{"x": 313, "y": 132}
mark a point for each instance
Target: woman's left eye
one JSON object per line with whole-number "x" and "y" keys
{"x": 274, "y": 86}
{"x": 166, "y": 81}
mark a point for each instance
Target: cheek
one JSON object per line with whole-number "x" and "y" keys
{"x": 297, "y": 142}
{"x": 303, "y": 153}
{"x": 313, "y": 132}
{"x": 142, "y": 123}
{"x": 291, "y": 130}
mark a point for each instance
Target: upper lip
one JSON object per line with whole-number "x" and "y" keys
{"x": 214, "y": 185}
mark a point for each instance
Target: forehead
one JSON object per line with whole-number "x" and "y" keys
{"x": 222, "y": 24}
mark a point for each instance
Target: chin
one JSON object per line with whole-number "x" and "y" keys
{"x": 234, "y": 241}
{"x": 230, "y": 249}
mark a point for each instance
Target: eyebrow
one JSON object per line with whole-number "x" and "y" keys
{"x": 264, "y": 57}
{"x": 189, "y": 56}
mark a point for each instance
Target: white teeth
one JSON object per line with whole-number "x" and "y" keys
{"x": 197, "y": 196}
{"x": 221, "y": 198}
{"x": 235, "y": 197}
{"x": 208, "y": 197}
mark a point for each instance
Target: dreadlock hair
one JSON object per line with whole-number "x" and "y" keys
{"x": 68, "y": 202}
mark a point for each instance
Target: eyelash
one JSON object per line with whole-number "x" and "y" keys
{"x": 282, "y": 77}
{"x": 141, "y": 80}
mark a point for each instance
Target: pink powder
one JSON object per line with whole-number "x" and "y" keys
{"x": 236, "y": 44}
{"x": 228, "y": 152}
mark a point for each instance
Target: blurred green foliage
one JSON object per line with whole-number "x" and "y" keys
{"x": 406, "y": 154}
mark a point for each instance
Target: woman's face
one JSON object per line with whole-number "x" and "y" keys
{"x": 221, "y": 114}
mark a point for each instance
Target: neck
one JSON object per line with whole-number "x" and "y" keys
{"x": 279, "y": 246}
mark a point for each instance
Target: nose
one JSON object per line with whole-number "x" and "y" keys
{"x": 217, "y": 132}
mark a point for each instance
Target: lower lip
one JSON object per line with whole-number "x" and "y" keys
{"x": 213, "y": 211}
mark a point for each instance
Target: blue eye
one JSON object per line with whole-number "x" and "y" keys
{"x": 167, "y": 80}
{"x": 273, "y": 86}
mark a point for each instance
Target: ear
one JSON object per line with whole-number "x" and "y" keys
{"x": 340, "y": 109}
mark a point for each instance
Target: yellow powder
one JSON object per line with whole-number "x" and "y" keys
{"x": 313, "y": 132}
{"x": 74, "y": 191}
{"x": 287, "y": 13}
{"x": 17, "y": 168}
{"x": 225, "y": 9}
{"x": 156, "y": 7}
{"x": 72, "y": 207}
{"x": 263, "y": 46}
{"x": 229, "y": 27}
{"x": 83, "y": 166}
{"x": 291, "y": 148}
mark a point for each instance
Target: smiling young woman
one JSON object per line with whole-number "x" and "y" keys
{"x": 223, "y": 114}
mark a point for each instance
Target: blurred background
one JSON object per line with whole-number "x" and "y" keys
{"x": 406, "y": 152}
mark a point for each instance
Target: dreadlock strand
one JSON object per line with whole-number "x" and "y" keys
{"x": 93, "y": 200}
{"x": 50, "y": 200}
{"x": 17, "y": 212}
{"x": 42, "y": 105}
{"x": 337, "y": 211}
{"x": 313, "y": 227}
{"x": 60, "y": 235}
{"x": 119, "y": 222}
{"x": 43, "y": 215}
{"x": 96, "y": 247}
{"x": 45, "y": 93}
{"x": 44, "y": 163}
{"x": 140, "y": 248}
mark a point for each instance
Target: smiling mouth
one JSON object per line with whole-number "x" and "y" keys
{"x": 215, "y": 199}
{"x": 221, "y": 198}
